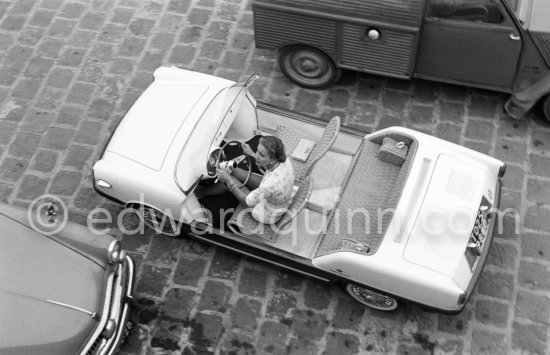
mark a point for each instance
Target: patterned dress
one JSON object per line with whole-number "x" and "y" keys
{"x": 271, "y": 199}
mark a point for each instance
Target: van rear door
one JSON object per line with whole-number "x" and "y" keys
{"x": 467, "y": 42}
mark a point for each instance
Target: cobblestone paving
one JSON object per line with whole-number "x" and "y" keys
{"x": 69, "y": 69}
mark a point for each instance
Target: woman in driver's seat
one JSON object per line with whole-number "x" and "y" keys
{"x": 271, "y": 193}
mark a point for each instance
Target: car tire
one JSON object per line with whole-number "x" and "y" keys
{"x": 158, "y": 221}
{"x": 308, "y": 67}
{"x": 371, "y": 299}
{"x": 546, "y": 107}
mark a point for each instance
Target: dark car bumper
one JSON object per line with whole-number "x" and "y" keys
{"x": 107, "y": 341}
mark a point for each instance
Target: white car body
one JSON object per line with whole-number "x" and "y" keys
{"x": 149, "y": 140}
{"x": 158, "y": 154}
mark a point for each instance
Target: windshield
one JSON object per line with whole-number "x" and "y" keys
{"x": 219, "y": 115}
{"x": 233, "y": 98}
{"x": 227, "y": 104}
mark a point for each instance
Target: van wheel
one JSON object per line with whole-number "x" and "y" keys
{"x": 371, "y": 299}
{"x": 308, "y": 67}
{"x": 158, "y": 221}
{"x": 546, "y": 107}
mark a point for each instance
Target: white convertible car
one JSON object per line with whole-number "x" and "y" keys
{"x": 392, "y": 215}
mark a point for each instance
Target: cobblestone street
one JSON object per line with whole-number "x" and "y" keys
{"x": 70, "y": 69}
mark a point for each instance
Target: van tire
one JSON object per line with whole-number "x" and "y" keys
{"x": 308, "y": 66}
{"x": 546, "y": 107}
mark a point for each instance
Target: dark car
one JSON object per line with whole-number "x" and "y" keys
{"x": 65, "y": 293}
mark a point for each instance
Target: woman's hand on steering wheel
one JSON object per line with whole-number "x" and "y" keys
{"x": 246, "y": 160}
{"x": 224, "y": 176}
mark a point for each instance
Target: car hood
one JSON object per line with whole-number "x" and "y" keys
{"x": 47, "y": 293}
{"x": 148, "y": 129}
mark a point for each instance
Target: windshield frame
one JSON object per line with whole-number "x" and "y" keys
{"x": 226, "y": 102}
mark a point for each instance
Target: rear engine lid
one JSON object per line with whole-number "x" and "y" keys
{"x": 444, "y": 224}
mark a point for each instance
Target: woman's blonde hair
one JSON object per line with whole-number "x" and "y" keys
{"x": 274, "y": 147}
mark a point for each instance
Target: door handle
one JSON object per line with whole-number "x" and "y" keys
{"x": 514, "y": 37}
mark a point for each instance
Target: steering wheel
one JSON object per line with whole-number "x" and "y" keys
{"x": 246, "y": 160}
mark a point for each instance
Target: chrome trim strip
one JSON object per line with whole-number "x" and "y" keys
{"x": 94, "y": 315}
{"x": 105, "y": 315}
{"x": 210, "y": 241}
{"x": 178, "y": 160}
{"x": 422, "y": 177}
{"x": 125, "y": 311}
{"x": 116, "y": 339}
{"x": 131, "y": 269}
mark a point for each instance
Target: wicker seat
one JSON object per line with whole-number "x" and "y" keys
{"x": 291, "y": 138}
{"x": 244, "y": 224}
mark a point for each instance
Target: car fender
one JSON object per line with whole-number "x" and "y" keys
{"x": 72, "y": 235}
{"x": 394, "y": 276}
{"x": 144, "y": 188}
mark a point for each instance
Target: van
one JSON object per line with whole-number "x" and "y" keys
{"x": 499, "y": 45}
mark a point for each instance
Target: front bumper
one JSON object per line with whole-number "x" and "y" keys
{"x": 116, "y": 309}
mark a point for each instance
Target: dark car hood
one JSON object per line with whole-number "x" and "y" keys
{"x": 46, "y": 293}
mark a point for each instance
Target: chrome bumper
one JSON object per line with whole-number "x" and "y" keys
{"x": 116, "y": 308}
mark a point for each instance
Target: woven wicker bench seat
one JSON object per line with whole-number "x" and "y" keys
{"x": 372, "y": 185}
{"x": 291, "y": 138}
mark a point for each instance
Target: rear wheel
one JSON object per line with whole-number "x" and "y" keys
{"x": 371, "y": 299}
{"x": 308, "y": 67}
{"x": 158, "y": 221}
{"x": 546, "y": 107}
